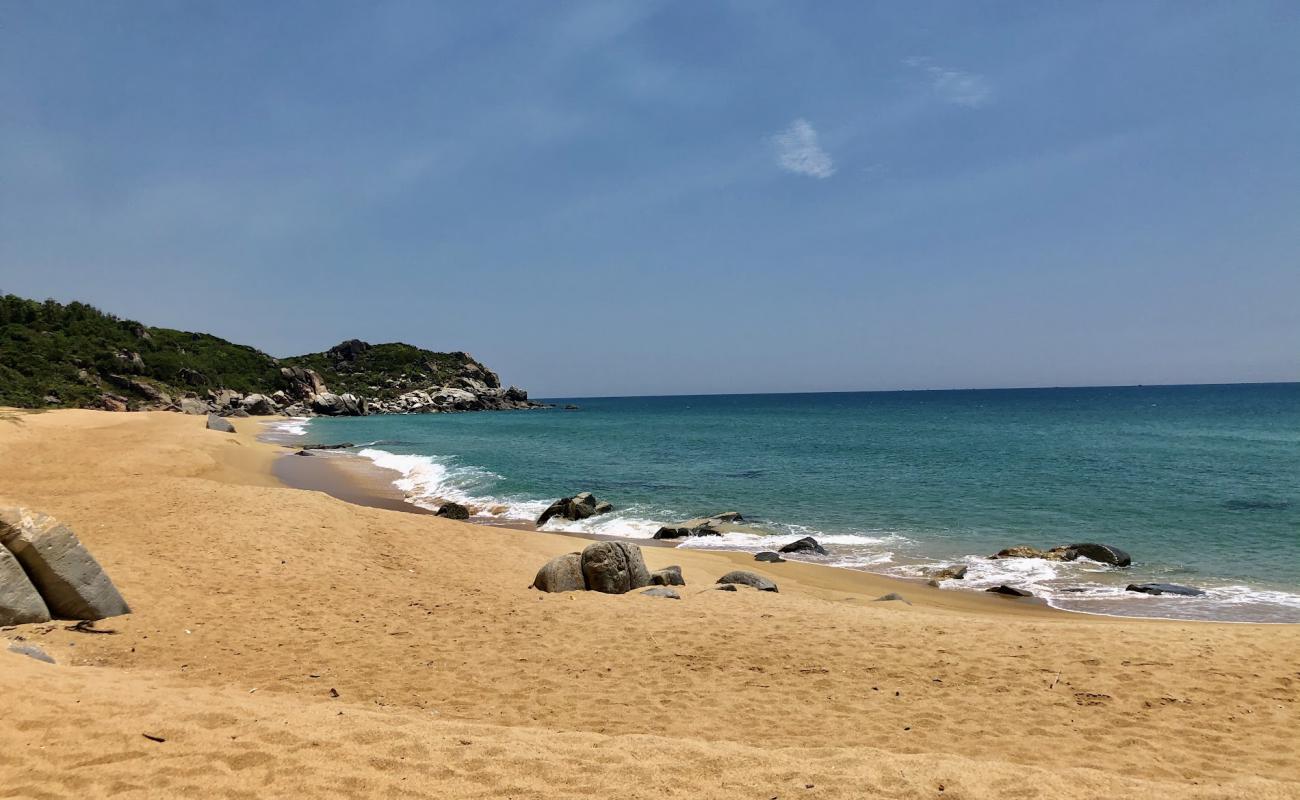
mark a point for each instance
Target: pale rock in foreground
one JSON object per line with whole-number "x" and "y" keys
{"x": 561, "y": 574}
{"x": 68, "y": 577}
{"x": 614, "y": 567}
{"x": 744, "y": 578}
{"x": 216, "y": 423}
{"x": 20, "y": 603}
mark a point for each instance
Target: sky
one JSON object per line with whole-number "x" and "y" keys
{"x": 607, "y": 198}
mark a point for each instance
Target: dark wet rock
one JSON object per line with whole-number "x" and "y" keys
{"x": 614, "y": 567}
{"x": 1164, "y": 588}
{"x": 1010, "y": 591}
{"x": 70, "y": 580}
{"x": 340, "y": 446}
{"x": 580, "y": 506}
{"x": 571, "y": 407}
{"x": 303, "y": 453}
{"x": 1256, "y": 504}
{"x": 349, "y": 350}
{"x": 1103, "y": 553}
{"x": 892, "y": 596}
{"x": 1062, "y": 553}
{"x": 662, "y": 591}
{"x": 516, "y": 395}
{"x": 755, "y": 580}
{"x": 31, "y": 651}
{"x": 561, "y": 574}
{"x": 676, "y": 532}
{"x": 668, "y": 576}
{"x": 216, "y": 423}
{"x": 723, "y": 587}
{"x": 453, "y": 511}
{"x": 955, "y": 572}
{"x": 805, "y": 545}
{"x": 769, "y": 557}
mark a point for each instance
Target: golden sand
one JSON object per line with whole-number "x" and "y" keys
{"x": 255, "y": 604}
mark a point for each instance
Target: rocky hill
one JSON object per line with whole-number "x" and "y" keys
{"x": 74, "y": 355}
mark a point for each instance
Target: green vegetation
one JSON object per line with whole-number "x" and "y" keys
{"x": 75, "y": 354}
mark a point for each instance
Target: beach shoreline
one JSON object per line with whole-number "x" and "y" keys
{"x": 286, "y": 643}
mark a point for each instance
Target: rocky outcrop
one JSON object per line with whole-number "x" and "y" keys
{"x": 453, "y": 511}
{"x": 216, "y": 423}
{"x": 805, "y": 545}
{"x": 953, "y": 573}
{"x": 561, "y": 574}
{"x": 580, "y": 506}
{"x": 68, "y": 578}
{"x": 715, "y": 525}
{"x": 258, "y": 405}
{"x": 668, "y": 576}
{"x": 743, "y": 578}
{"x": 1164, "y": 588}
{"x": 20, "y": 603}
{"x": 1102, "y": 553}
{"x": 195, "y": 406}
{"x": 614, "y": 567}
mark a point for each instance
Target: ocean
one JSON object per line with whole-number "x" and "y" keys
{"x": 1200, "y": 484}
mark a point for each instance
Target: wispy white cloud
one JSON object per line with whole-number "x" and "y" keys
{"x": 797, "y": 151}
{"x": 953, "y": 85}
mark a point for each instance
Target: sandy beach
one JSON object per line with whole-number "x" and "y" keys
{"x": 288, "y": 643}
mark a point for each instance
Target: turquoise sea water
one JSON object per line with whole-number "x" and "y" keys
{"x": 1201, "y": 484}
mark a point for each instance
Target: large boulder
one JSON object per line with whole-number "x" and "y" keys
{"x": 614, "y": 567}
{"x": 1010, "y": 591}
{"x": 20, "y": 603}
{"x": 715, "y": 525}
{"x": 453, "y": 511}
{"x": 805, "y": 545}
{"x": 580, "y": 506}
{"x": 1061, "y": 553}
{"x": 195, "y": 406}
{"x": 1103, "y": 553}
{"x": 328, "y": 404}
{"x": 668, "y": 576}
{"x": 62, "y": 570}
{"x": 1164, "y": 588}
{"x": 216, "y": 423}
{"x": 744, "y": 578}
{"x": 259, "y": 405}
{"x": 561, "y": 574}
{"x": 302, "y": 383}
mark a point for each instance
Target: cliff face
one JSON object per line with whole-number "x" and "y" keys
{"x": 54, "y": 355}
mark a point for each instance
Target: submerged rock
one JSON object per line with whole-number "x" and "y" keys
{"x": 1102, "y": 553}
{"x": 742, "y": 577}
{"x": 68, "y": 577}
{"x": 954, "y": 573}
{"x": 805, "y": 545}
{"x": 561, "y": 574}
{"x": 1164, "y": 588}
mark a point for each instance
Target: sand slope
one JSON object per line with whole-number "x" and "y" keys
{"x": 454, "y": 679}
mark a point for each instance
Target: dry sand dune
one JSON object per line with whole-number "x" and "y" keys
{"x": 254, "y": 604}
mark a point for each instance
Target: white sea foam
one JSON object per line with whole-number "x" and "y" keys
{"x": 293, "y": 426}
{"x": 428, "y": 482}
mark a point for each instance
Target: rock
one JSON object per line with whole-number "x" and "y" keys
{"x": 216, "y": 423}
{"x": 20, "y": 603}
{"x": 515, "y": 394}
{"x": 675, "y": 532}
{"x": 749, "y": 579}
{"x": 259, "y": 405}
{"x": 1164, "y": 588}
{"x": 668, "y": 576}
{"x": 193, "y": 405}
{"x": 328, "y": 404}
{"x": 1062, "y": 553}
{"x": 339, "y": 446}
{"x": 349, "y": 350}
{"x": 580, "y": 506}
{"x": 561, "y": 574}
{"x": 953, "y": 573}
{"x": 1010, "y": 591}
{"x": 226, "y": 398}
{"x": 614, "y": 567}
{"x": 723, "y": 587}
{"x": 62, "y": 570}
{"x": 453, "y": 511}
{"x": 31, "y": 651}
{"x": 303, "y": 453}
{"x": 805, "y": 545}
{"x": 700, "y": 526}
{"x": 769, "y": 557}
{"x": 1103, "y": 553}
{"x": 570, "y": 407}
{"x": 892, "y": 596}
{"x": 113, "y": 402}
{"x": 662, "y": 591}
{"x": 726, "y": 516}
{"x": 236, "y": 412}
{"x": 302, "y": 383}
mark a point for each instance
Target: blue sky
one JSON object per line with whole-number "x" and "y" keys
{"x": 662, "y": 198}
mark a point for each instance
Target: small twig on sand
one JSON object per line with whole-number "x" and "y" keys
{"x": 153, "y": 738}
{"x": 87, "y": 626}
{"x": 1054, "y": 681}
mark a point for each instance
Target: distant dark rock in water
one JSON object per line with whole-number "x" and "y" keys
{"x": 892, "y": 596}
{"x": 340, "y": 446}
{"x": 668, "y": 576}
{"x": 742, "y": 577}
{"x": 1025, "y": 551}
{"x": 805, "y": 545}
{"x": 571, "y": 407}
{"x": 674, "y": 532}
{"x": 1102, "y": 553}
{"x": 216, "y": 423}
{"x": 452, "y": 511}
{"x": 1164, "y": 588}
{"x": 662, "y": 591}
{"x": 580, "y": 506}
{"x": 303, "y": 453}
{"x": 1010, "y": 591}
{"x": 770, "y": 557}
{"x": 1259, "y": 504}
